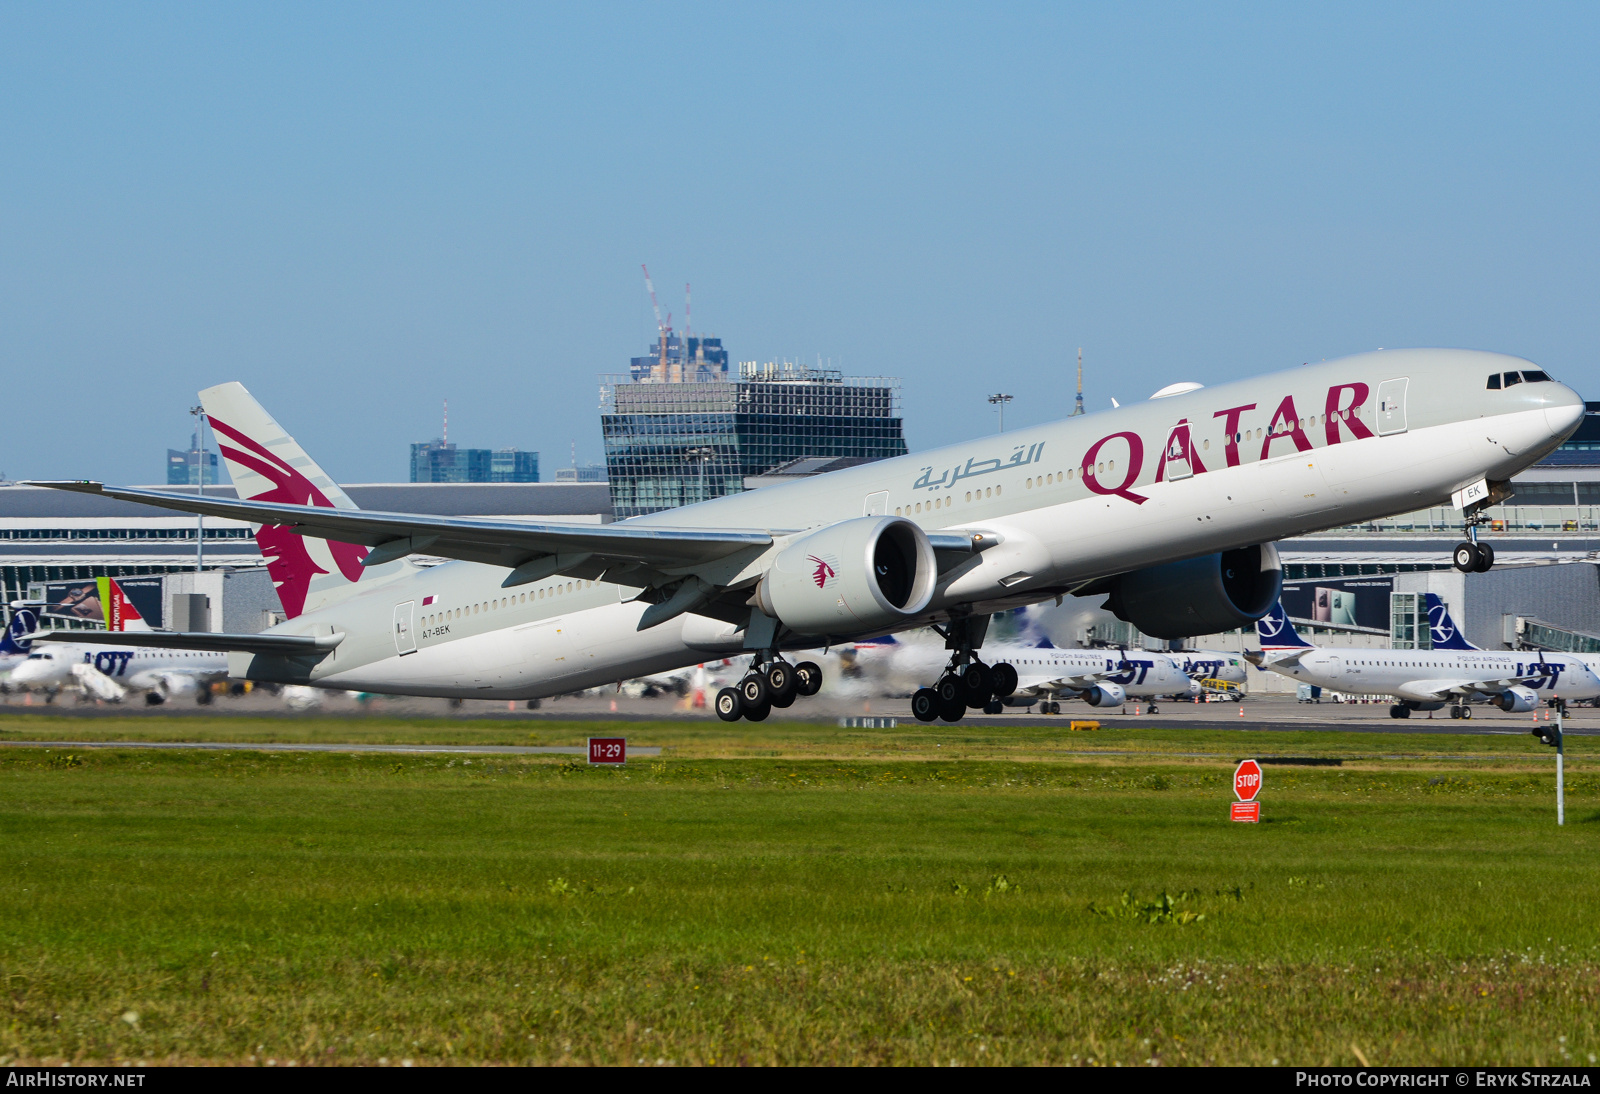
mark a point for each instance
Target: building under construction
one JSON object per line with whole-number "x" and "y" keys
{"x": 673, "y": 441}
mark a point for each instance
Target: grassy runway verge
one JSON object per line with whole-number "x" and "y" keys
{"x": 973, "y": 908}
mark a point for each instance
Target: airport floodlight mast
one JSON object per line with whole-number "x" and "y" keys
{"x": 1001, "y": 401}
{"x": 702, "y": 455}
{"x": 199, "y": 413}
{"x": 1077, "y": 407}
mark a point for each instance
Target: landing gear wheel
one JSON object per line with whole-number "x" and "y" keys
{"x": 952, "y": 712}
{"x": 782, "y": 682}
{"x": 808, "y": 677}
{"x": 994, "y": 706}
{"x": 925, "y": 704}
{"x": 730, "y": 708}
{"x": 1455, "y": 712}
{"x": 950, "y": 690}
{"x": 1486, "y": 552}
{"x": 1399, "y": 711}
{"x": 1467, "y": 557}
{"x": 1003, "y": 678}
{"x": 1466, "y": 712}
{"x": 758, "y": 713}
{"x": 976, "y": 685}
{"x": 1154, "y": 709}
{"x": 151, "y": 698}
{"x": 753, "y": 691}
{"x": 203, "y": 696}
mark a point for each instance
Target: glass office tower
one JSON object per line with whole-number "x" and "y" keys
{"x": 671, "y": 443}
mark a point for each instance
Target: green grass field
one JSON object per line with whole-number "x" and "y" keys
{"x": 795, "y": 894}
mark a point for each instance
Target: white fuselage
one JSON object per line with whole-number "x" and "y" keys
{"x": 1419, "y": 675}
{"x": 1076, "y": 500}
{"x": 49, "y": 666}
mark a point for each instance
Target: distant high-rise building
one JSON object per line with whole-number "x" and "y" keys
{"x": 589, "y": 472}
{"x": 513, "y": 465}
{"x": 690, "y": 435}
{"x": 676, "y": 359}
{"x": 183, "y": 468}
{"x": 439, "y": 461}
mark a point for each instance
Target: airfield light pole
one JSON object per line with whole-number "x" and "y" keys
{"x": 1561, "y": 790}
{"x": 1001, "y": 401}
{"x": 1555, "y": 738}
{"x": 702, "y": 455}
{"x": 199, "y": 413}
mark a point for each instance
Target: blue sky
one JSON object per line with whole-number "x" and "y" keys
{"x": 362, "y": 210}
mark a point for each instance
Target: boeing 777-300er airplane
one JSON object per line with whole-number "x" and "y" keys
{"x": 1453, "y": 672}
{"x": 1169, "y": 508}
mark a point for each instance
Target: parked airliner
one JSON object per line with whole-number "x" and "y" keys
{"x": 1046, "y": 674}
{"x": 1453, "y": 672}
{"x": 109, "y": 673}
{"x": 1168, "y": 508}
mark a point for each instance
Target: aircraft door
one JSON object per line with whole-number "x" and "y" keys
{"x": 1334, "y": 668}
{"x": 405, "y": 633}
{"x": 877, "y": 504}
{"x": 1392, "y": 406}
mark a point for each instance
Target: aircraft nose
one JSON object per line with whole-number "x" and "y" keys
{"x": 1564, "y": 412}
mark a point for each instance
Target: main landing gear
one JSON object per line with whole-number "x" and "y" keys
{"x": 771, "y": 682}
{"x": 1470, "y": 556}
{"x": 1461, "y": 711}
{"x": 967, "y": 682}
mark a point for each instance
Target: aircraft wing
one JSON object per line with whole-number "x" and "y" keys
{"x": 510, "y": 543}
{"x": 1447, "y": 689}
{"x": 1045, "y": 682}
{"x": 199, "y": 640}
{"x": 1284, "y": 659}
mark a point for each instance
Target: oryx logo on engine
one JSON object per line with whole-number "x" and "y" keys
{"x": 822, "y": 573}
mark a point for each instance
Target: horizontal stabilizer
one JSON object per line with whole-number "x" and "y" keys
{"x": 200, "y": 640}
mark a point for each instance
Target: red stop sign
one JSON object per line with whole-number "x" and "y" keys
{"x": 1247, "y": 780}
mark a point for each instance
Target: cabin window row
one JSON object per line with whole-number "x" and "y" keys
{"x": 550, "y": 592}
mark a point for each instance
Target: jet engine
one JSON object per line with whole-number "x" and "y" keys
{"x": 1516, "y": 700}
{"x": 1106, "y": 695}
{"x": 1200, "y": 595}
{"x": 865, "y": 574}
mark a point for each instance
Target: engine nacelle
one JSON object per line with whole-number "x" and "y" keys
{"x": 1516, "y": 700}
{"x": 865, "y": 574}
{"x": 1106, "y": 695}
{"x": 1200, "y": 595}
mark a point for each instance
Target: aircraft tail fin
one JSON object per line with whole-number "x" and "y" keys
{"x": 266, "y": 464}
{"x": 120, "y": 613}
{"x": 18, "y": 635}
{"x": 1446, "y": 635}
{"x": 1277, "y": 633}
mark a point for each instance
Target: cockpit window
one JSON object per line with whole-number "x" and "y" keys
{"x": 1513, "y": 378}
{"x": 1494, "y": 382}
{"x": 1536, "y": 377}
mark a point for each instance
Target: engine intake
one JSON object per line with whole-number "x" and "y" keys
{"x": 1516, "y": 700}
{"x": 865, "y": 574}
{"x": 1200, "y": 595}
{"x": 1106, "y": 695}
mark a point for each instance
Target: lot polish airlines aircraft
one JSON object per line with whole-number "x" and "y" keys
{"x": 1454, "y": 671}
{"x": 1046, "y": 674}
{"x": 1169, "y": 507}
{"x": 161, "y": 674}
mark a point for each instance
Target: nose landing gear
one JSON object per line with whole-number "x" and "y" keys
{"x": 1470, "y": 556}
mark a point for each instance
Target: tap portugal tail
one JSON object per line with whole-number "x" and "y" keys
{"x": 267, "y": 465}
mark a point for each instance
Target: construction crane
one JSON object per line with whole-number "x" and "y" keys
{"x": 662, "y": 329}
{"x": 1078, "y": 407}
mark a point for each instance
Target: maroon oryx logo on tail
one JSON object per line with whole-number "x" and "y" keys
{"x": 822, "y": 573}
